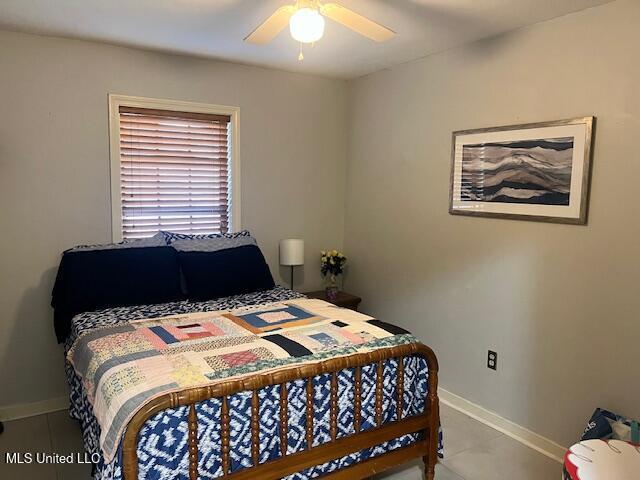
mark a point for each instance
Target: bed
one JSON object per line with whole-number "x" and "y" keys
{"x": 330, "y": 393}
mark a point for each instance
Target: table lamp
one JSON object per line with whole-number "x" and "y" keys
{"x": 291, "y": 254}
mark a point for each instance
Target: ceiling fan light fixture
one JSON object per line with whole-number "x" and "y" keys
{"x": 306, "y": 25}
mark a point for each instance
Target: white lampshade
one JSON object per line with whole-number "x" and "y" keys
{"x": 292, "y": 252}
{"x": 307, "y": 25}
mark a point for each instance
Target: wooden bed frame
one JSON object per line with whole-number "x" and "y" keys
{"x": 287, "y": 464}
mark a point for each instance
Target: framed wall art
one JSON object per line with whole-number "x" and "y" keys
{"x": 537, "y": 171}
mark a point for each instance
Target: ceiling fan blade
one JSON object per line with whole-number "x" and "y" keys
{"x": 272, "y": 26}
{"x": 357, "y": 22}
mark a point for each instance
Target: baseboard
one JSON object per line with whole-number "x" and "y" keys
{"x": 523, "y": 435}
{"x": 15, "y": 412}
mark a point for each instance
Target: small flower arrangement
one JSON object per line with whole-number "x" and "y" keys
{"x": 332, "y": 264}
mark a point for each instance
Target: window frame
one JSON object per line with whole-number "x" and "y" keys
{"x": 116, "y": 101}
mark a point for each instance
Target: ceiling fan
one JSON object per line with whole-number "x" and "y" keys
{"x": 306, "y": 23}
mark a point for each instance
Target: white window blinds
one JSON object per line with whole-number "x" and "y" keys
{"x": 174, "y": 172}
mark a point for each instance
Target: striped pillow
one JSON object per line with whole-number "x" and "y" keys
{"x": 158, "y": 240}
{"x": 212, "y": 244}
{"x": 171, "y": 237}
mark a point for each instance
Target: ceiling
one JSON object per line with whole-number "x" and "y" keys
{"x": 215, "y": 28}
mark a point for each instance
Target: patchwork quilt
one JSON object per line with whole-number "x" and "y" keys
{"x": 162, "y": 443}
{"x": 123, "y": 365}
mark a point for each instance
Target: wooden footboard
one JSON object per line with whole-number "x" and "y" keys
{"x": 287, "y": 464}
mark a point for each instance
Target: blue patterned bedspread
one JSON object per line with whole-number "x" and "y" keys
{"x": 162, "y": 446}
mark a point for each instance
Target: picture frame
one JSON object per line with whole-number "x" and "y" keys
{"x": 534, "y": 171}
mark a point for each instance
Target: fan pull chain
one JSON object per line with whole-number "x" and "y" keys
{"x": 301, "y": 55}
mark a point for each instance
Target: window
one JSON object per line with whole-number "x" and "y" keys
{"x": 174, "y": 167}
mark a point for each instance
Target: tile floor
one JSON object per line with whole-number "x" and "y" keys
{"x": 473, "y": 451}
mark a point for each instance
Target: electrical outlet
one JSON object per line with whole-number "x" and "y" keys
{"x": 492, "y": 360}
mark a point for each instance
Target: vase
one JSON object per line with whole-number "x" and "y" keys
{"x": 331, "y": 288}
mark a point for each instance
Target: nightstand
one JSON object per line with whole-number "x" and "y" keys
{"x": 344, "y": 299}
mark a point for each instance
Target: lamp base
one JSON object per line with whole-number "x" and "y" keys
{"x": 291, "y": 277}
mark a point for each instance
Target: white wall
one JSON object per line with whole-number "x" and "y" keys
{"x": 559, "y": 303}
{"x": 54, "y": 171}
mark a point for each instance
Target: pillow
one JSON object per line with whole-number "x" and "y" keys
{"x": 156, "y": 241}
{"x": 171, "y": 237}
{"x": 211, "y": 275}
{"x": 95, "y": 279}
{"x": 212, "y": 244}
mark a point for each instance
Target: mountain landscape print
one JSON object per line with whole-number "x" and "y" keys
{"x": 521, "y": 171}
